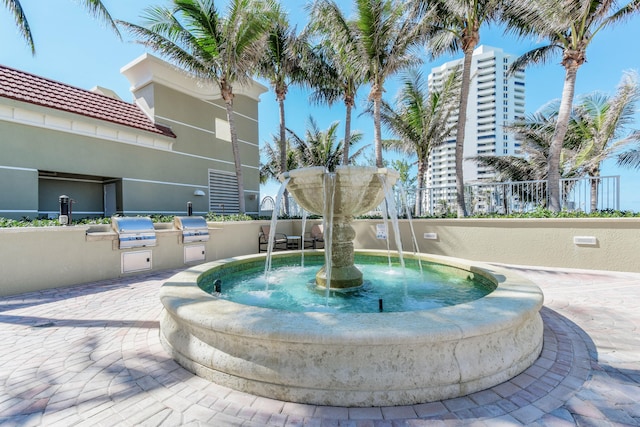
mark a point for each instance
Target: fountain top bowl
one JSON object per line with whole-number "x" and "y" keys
{"x": 358, "y": 189}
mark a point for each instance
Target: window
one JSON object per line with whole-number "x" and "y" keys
{"x": 223, "y": 130}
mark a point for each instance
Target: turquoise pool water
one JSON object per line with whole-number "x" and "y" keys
{"x": 291, "y": 287}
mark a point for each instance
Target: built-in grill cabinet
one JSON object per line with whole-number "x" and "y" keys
{"x": 194, "y": 228}
{"x": 134, "y": 232}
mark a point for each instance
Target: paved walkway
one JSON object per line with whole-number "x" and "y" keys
{"x": 90, "y": 356}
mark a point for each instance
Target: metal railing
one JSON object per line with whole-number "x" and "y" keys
{"x": 576, "y": 194}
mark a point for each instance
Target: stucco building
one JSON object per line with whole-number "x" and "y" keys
{"x": 169, "y": 147}
{"x": 496, "y": 98}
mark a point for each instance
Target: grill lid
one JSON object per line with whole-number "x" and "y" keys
{"x": 189, "y": 222}
{"x": 194, "y": 228}
{"x": 134, "y": 224}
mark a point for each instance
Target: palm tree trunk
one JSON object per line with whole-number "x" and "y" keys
{"x": 236, "y": 152}
{"x": 347, "y": 134}
{"x": 283, "y": 147}
{"x": 555, "y": 149}
{"x": 376, "y": 94}
{"x": 422, "y": 167}
{"x": 461, "y": 130}
{"x": 594, "y": 181}
{"x": 283, "y": 137}
{"x": 505, "y": 205}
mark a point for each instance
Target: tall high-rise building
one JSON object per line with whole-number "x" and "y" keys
{"x": 495, "y": 99}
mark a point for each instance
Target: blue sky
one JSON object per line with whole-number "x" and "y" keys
{"x": 74, "y": 48}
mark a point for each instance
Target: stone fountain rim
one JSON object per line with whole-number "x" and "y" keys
{"x": 514, "y": 299}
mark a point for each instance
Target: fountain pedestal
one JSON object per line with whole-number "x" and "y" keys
{"x": 339, "y": 196}
{"x": 344, "y": 274}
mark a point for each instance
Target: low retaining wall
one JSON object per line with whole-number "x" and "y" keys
{"x": 36, "y": 258}
{"x": 587, "y": 243}
{"x": 39, "y": 258}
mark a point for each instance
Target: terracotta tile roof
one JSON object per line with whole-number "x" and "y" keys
{"x": 25, "y": 87}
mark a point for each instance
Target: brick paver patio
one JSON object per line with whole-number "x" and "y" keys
{"x": 90, "y": 356}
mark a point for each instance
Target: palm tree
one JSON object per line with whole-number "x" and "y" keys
{"x": 598, "y": 121}
{"x": 223, "y": 50}
{"x": 271, "y": 168}
{"x": 389, "y": 35}
{"x": 421, "y": 120}
{"x": 407, "y": 181}
{"x": 282, "y": 65}
{"x": 319, "y": 148}
{"x": 383, "y": 37}
{"x": 536, "y": 133}
{"x": 335, "y": 71}
{"x": 569, "y": 27}
{"x": 95, "y": 7}
{"x": 457, "y": 27}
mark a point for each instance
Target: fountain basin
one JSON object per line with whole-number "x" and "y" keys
{"x": 355, "y": 359}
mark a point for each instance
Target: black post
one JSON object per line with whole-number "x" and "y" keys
{"x": 189, "y": 209}
{"x": 65, "y": 203}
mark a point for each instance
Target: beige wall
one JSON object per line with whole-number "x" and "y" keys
{"x": 35, "y": 258}
{"x": 41, "y": 258}
{"x": 543, "y": 242}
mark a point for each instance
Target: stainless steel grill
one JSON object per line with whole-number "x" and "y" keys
{"x": 134, "y": 232}
{"x": 194, "y": 228}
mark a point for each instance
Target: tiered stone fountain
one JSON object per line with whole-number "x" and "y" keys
{"x": 339, "y": 196}
{"x": 352, "y": 359}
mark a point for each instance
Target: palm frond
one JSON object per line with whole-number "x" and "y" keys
{"x": 630, "y": 159}
{"x": 540, "y": 55}
{"x": 623, "y": 14}
{"x": 600, "y": 121}
{"x": 97, "y": 9}
{"x": 511, "y": 168}
{"x": 21, "y": 21}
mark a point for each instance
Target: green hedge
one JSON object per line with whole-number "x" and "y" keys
{"x": 539, "y": 213}
{"x": 28, "y": 222}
